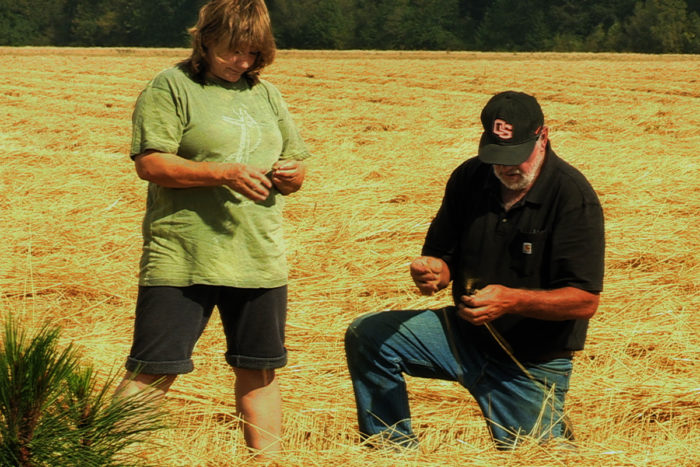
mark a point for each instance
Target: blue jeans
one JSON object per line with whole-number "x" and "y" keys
{"x": 381, "y": 347}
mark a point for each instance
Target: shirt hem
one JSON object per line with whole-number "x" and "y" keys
{"x": 200, "y": 281}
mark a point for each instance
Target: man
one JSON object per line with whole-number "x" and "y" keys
{"x": 520, "y": 236}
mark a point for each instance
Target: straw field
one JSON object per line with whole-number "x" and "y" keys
{"x": 386, "y": 130}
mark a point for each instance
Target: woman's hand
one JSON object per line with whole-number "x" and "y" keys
{"x": 173, "y": 171}
{"x": 288, "y": 176}
{"x": 247, "y": 180}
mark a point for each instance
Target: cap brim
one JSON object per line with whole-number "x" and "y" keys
{"x": 506, "y": 154}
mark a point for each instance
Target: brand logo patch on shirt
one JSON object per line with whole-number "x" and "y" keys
{"x": 527, "y": 248}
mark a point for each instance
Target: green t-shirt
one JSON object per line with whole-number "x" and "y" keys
{"x": 213, "y": 235}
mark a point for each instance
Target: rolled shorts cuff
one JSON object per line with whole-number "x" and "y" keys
{"x": 176, "y": 367}
{"x": 255, "y": 363}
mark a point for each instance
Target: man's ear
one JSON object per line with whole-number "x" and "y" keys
{"x": 544, "y": 136}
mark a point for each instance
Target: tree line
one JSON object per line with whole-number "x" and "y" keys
{"x": 646, "y": 26}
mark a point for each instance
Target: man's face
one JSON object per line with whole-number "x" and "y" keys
{"x": 521, "y": 177}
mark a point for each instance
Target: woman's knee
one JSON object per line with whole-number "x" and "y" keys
{"x": 261, "y": 376}
{"x": 133, "y": 383}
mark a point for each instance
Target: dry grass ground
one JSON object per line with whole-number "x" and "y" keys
{"x": 386, "y": 130}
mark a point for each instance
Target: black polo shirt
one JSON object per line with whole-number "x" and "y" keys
{"x": 552, "y": 238}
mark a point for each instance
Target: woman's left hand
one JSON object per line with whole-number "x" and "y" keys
{"x": 288, "y": 176}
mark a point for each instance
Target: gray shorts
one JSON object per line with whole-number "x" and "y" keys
{"x": 170, "y": 320}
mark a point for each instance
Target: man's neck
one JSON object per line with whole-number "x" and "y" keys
{"x": 511, "y": 197}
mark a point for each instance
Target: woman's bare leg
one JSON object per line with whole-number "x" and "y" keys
{"x": 134, "y": 383}
{"x": 259, "y": 403}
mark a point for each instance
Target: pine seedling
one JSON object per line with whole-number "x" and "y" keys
{"x": 52, "y": 411}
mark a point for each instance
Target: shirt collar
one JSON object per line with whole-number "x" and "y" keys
{"x": 540, "y": 188}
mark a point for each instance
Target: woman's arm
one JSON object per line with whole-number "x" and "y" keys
{"x": 173, "y": 171}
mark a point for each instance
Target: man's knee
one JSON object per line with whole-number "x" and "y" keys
{"x": 359, "y": 333}
{"x": 358, "y": 326}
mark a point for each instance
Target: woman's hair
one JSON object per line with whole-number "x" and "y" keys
{"x": 243, "y": 24}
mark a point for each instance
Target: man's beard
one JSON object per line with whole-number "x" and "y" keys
{"x": 525, "y": 180}
{"x": 517, "y": 185}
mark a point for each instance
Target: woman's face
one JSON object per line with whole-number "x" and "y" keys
{"x": 229, "y": 65}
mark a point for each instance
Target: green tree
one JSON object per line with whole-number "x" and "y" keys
{"x": 655, "y": 26}
{"x": 510, "y": 25}
{"x": 52, "y": 412}
{"x": 604, "y": 40}
{"x": 412, "y": 24}
{"x": 29, "y": 22}
{"x": 311, "y": 24}
{"x": 155, "y": 23}
{"x": 473, "y": 10}
{"x": 661, "y": 26}
{"x": 93, "y": 23}
{"x": 424, "y": 24}
{"x": 583, "y": 26}
{"x": 369, "y": 21}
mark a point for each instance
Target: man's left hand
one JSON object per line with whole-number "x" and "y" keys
{"x": 487, "y": 304}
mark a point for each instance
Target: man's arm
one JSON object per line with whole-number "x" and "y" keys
{"x": 494, "y": 301}
{"x": 173, "y": 171}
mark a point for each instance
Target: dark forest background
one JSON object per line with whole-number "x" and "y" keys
{"x": 647, "y": 26}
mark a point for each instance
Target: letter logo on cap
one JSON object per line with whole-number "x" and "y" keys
{"x": 502, "y": 129}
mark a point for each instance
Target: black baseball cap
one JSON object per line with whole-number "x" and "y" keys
{"x": 512, "y": 123}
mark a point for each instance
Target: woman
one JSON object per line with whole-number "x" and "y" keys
{"x": 220, "y": 150}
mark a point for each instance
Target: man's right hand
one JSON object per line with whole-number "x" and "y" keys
{"x": 430, "y": 274}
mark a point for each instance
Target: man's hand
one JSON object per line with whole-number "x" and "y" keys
{"x": 487, "y": 304}
{"x": 288, "y": 175}
{"x": 430, "y": 274}
{"x": 494, "y": 301}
